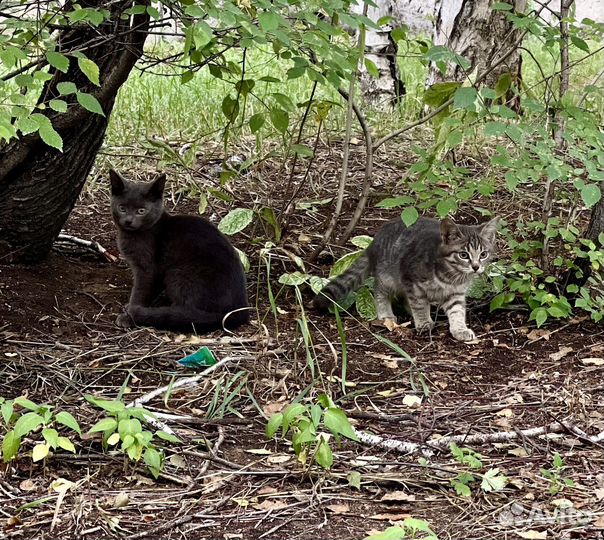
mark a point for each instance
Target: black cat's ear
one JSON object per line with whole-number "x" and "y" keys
{"x": 117, "y": 182}
{"x": 489, "y": 229}
{"x": 157, "y": 186}
{"x": 449, "y": 232}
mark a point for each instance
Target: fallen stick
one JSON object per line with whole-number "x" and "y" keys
{"x": 186, "y": 382}
{"x": 443, "y": 443}
{"x": 95, "y": 246}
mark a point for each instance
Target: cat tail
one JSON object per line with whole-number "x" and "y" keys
{"x": 345, "y": 283}
{"x": 180, "y": 317}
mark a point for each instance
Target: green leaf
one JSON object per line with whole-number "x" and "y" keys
{"x": 302, "y": 150}
{"x": 58, "y": 61}
{"x": 230, "y": 108}
{"x": 363, "y": 241}
{"x": 66, "y": 88}
{"x": 409, "y": 216}
{"x": 109, "y": 405}
{"x": 365, "y": 304}
{"x": 439, "y": 93}
{"x": 90, "y": 69}
{"x": 51, "y": 436}
{"x": 445, "y": 206}
{"x": 153, "y": 461}
{"x": 294, "y": 279}
{"x": 106, "y": 424}
{"x": 337, "y": 422}
{"x": 372, "y": 69}
{"x": 27, "y": 423}
{"x": 558, "y": 461}
{"x": 539, "y": 315}
{"x": 503, "y": 84}
{"x": 66, "y": 444}
{"x": 10, "y": 446}
{"x": 344, "y": 263}
{"x": 66, "y": 419}
{"x": 279, "y": 119}
{"x": 591, "y": 195}
{"x": 58, "y": 105}
{"x": 168, "y": 437}
{"x": 7, "y": 409}
{"x": 465, "y": 97}
{"x": 274, "y": 423}
{"x": 462, "y": 489}
{"x": 580, "y": 43}
{"x": 26, "y": 404}
{"x": 291, "y": 413}
{"x": 50, "y": 136}
{"x": 89, "y": 102}
{"x": 324, "y": 455}
{"x": 494, "y": 129}
{"x": 395, "y": 202}
{"x": 256, "y": 122}
{"x": 235, "y": 221}
{"x": 502, "y": 6}
{"x": 39, "y": 452}
{"x": 202, "y": 34}
{"x": 493, "y": 481}
{"x": 268, "y": 21}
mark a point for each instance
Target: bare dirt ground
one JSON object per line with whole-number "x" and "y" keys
{"x": 58, "y": 343}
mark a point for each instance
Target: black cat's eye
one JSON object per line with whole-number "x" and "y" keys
{"x": 464, "y": 255}
{"x": 141, "y": 211}
{"x": 121, "y": 208}
{"x": 484, "y": 254}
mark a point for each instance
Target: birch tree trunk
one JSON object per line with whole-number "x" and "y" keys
{"x": 472, "y": 29}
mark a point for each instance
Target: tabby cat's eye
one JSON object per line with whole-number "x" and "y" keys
{"x": 484, "y": 254}
{"x": 464, "y": 255}
{"x": 141, "y": 211}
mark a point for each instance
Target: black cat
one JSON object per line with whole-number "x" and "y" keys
{"x": 185, "y": 257}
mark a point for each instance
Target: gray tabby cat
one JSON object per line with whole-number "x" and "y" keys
{"x": 429, "y": 263}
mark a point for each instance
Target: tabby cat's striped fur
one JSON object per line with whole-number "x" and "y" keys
{"x": 429, "y": 263}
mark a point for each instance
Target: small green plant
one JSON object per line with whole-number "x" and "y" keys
{"x": 311, "y": 427}
{"x": 410, "y": 528}
{"x": 22, "y": 417}
{"x": 492, "y": 480}
{"x": 125, "y": 424}
{"x": 557, "y": 482}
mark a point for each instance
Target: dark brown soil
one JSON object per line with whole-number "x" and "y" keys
{"x": 58, "y": 343}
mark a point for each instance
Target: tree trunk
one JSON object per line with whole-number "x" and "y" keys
{"x": 473, "y": 30}
{"x": 383, "y": 91}
{"x": 40, "y": 185}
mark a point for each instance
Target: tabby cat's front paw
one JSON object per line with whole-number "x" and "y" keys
{"x": 463, "y": 334}
{"x": 124, "y": 320}
{"x": 424, "y": 328}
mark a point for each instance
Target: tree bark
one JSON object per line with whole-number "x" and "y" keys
{"x": 38, "y": 184}
{"x": 473, "y": 30}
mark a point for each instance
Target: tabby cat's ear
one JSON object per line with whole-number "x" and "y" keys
{"x": 117, "y": 183}
{"x": 449, "y": 232}
{"x": 157, "y": 186}
{"x": 490, "y": 228}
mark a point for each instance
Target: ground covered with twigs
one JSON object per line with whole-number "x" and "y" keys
{"x": 58, "y": 344}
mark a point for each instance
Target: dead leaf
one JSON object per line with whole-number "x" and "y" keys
{"x": 533, "y": 535}
{"x": 390, "y": 517}
{"x": 178, "y": 461}
{"x": 279, "y": 458}
{"x": 518, "y": 452}
{"x": 267, "y": 490}
{"x": 593, "y": 361}
{"x": 12, "y": 522}
{"x": 258, "y": 451}
{"x": 391, "y": 364}
{"x": 121, "y": 499}
{"x": 562, "y": 352}
{"x": 599, "y": 523}
{"x": 304, "y": 239}
{"x": 599, "y": 493}
{"x": 27, "y": 485}
{"x": 270, "y": 504}
{"x": 398, "y": 496}
{"x": 273, "y": 408}
{"x": 412, "y": 401}
{"x": 338, "y": 508}
{"x": 539, "y": 333}
{"x": 505, "y": 412}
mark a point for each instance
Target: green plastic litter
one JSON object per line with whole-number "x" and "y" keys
{"x": 204, "y": 357}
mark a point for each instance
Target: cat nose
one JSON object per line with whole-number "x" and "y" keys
{"x": 475, "y": 267}
{"x": 128, "y": 222}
